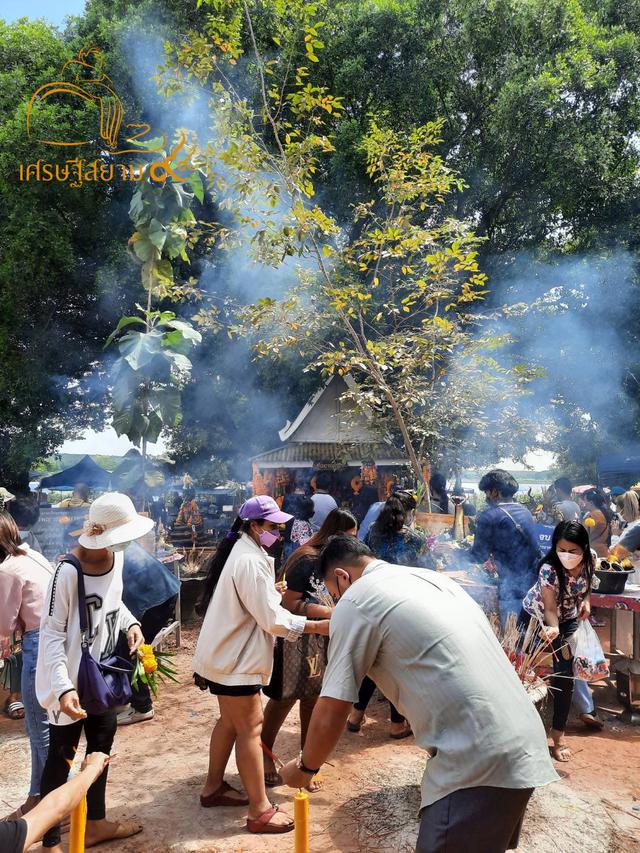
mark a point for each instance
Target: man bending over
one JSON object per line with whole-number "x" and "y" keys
{"x": 431, "y": 651}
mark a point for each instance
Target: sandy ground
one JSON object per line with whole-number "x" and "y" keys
{"x": 370, "y": 797}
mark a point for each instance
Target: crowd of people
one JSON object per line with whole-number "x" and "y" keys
{"x": 393, "y": 623}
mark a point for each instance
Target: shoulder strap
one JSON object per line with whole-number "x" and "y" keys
{"x": 520, "y": 530}
{"x": 507, "y": 513}
{"x": 38, "y": 563}
{"x": 82, "y": 604}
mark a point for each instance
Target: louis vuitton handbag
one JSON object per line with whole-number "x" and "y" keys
{"x": 298, "y": 668}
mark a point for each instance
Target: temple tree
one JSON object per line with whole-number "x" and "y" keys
{"x": 391, "y": 296}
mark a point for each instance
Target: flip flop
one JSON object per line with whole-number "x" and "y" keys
{"x": 561, "y": 750}
{"x": 403, "y": 734}
{"x": 14, "y": 710}
{"x": 220, "y": 798}
{"x": 355, "y": 727}
{"x": 591, "y": 721}
{"x": 261, "y": 826}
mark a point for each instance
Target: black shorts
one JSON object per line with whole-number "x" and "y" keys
{"x": 226, "y": 689}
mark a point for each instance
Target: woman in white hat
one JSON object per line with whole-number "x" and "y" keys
{"x": 112, "y": 525}
{"x": 234, "y": 656}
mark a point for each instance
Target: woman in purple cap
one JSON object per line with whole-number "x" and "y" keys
{"x": 234, "y": 656}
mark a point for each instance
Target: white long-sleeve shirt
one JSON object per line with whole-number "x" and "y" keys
{"x": 235, "y": 646}
{"x": 59, "y": 650}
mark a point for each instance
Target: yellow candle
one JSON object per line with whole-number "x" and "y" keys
{"x": 301, "y": 817}
{"x": 78, "y": 827}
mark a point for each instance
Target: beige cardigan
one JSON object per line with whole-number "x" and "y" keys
{"x": 235, "y": 646}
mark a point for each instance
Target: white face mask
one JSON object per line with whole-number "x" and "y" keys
{"x": 569, "y": 560}
{"x": 122, "y": 546}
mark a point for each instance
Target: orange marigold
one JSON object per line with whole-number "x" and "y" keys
{"x": 149, "y": 663}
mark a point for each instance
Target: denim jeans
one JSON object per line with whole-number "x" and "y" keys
{"x": 35, "y": 717}
{"x": 582, "y": 698}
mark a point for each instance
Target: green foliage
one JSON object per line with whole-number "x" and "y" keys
{"x": 149, "y": 373}
{"x": 539, "y": 100}
{"x": 51, "y": 330}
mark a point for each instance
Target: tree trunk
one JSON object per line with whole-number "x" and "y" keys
{"x": 408, "y": 444}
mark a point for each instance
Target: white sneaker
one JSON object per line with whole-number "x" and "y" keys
{"x": 126, "y": 718}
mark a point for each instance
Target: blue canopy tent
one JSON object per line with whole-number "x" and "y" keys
{"x": 136, "y": 476}
{"x": 85, "y": 471}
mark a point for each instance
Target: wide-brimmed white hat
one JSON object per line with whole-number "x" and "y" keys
{"x": 113, "y": 520}
{"x": 5, "y": 495}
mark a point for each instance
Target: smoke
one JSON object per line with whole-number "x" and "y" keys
{"x": 229, "y": 388}
{"x": 569, "y": 316}
{"x": 566, "y": 315}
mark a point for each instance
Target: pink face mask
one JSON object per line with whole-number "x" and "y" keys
{"x": 568, "y": 560}
{"x": 267, "y": 538}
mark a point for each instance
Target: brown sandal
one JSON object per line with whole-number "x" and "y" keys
{"x": 220, "y": 798}
{"x": 261, "y": 825}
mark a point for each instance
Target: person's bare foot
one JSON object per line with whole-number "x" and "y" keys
{"x": 560, "y": 751}
{"x": 314, "y": 785}
{"x": 57, "y": 849}
{"x": 99, "y": 831}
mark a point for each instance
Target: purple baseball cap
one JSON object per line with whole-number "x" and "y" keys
{"x": 263, "y": 507}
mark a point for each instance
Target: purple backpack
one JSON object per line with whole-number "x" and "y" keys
{"x": 102, "y": 685}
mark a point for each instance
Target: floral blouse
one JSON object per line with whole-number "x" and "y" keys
{"x": 569, "y": 607}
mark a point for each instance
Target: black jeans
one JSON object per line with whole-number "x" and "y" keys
{"x": 562, "y": 678}
{"x": 364, "y": 697}
{"x": 99, "y": 730}
{"x": 153, "y": 621}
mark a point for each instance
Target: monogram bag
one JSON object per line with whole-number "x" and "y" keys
{"x": 298, "y": 668}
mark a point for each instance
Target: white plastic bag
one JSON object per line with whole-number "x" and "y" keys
{"x": 589, "y": 662}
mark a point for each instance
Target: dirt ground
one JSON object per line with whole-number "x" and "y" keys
{"x": 370, "y": 797}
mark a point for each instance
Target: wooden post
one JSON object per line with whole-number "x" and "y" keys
{"x": 176, "y": 571}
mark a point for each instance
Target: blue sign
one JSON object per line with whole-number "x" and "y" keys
{"x": 544, "y": 534}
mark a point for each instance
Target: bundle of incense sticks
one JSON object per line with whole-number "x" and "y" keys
{"x": 525, "y": 648}
{"x": 321, "y": 592}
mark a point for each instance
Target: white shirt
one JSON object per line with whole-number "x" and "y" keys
{"x": 323, "y": 504}
{"x": 235, "y": 646}
{"x": 430, "y": 649}
{"x": 59, "y": 650}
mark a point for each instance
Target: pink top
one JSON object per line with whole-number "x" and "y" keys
{"x": 23, "y": 584}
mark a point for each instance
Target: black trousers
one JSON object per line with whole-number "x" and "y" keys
{"x": 153, "y": 621}
{"x": 562, "y": 679}
{"x": 367, "y": 689}
{"x": 99, "y": 730}
{"x": 474, "y": 820}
